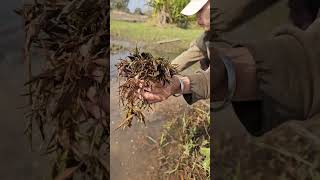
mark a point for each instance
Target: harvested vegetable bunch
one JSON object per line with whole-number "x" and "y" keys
{"x": 140, "y": 71}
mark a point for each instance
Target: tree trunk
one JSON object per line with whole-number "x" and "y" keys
{"x": 163, "y": 16}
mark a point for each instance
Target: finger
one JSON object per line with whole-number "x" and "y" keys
{"x": 154, "y": 101}
{"x": 139, "y": 94}
{"x": 148, "y": 89}
{"x": 150, "y": 97}
{"x": 141, "y": 97}
{"x": 141, "y": 83}
{"x": 156, "y": 85}
{"x": 123, "y": 74}
{"x": 157, "y": 90}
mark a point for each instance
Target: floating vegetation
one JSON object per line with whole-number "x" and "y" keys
{"x": 141, "y": 70}
{"x": 68, "y": 99}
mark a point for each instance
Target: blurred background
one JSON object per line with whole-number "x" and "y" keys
{"x": 290, "y": 151}
{"x": 18, "y": 162}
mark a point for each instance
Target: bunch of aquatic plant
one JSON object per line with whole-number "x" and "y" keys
{"x": 140, "y": 71}
{"x": 68, "y": 97}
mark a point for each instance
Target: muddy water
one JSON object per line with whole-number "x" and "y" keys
{"x": 132, "y": 150}
{"x": 114, "y": 59}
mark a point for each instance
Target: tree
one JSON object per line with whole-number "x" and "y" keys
{"x": 138, "y": 11}
{"x": 169, "y": 11}
{"x": 119, "y": 4}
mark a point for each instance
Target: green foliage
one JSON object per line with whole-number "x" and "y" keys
{"x": 316, "y": 176}
{"x": 184, "y": 146}
{"x": 206, "y": 162}
{"x": 143, "y": 32}
{"x": 119, "y": 4}
{"x": 138, "y": 11}
{"x": 169, "y": 11}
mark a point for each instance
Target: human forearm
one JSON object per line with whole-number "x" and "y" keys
{"x": 188, "y": 58}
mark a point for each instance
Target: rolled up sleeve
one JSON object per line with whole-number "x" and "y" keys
{"x": 200, "y": 86}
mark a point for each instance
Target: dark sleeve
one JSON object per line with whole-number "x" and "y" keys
{"x": 243, "y": 12}
{"x": 287, "y": 69}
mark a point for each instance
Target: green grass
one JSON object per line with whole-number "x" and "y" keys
{"x": 147, "y": 33}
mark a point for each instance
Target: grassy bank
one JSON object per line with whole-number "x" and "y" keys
{"x": 147, "y": 33}
{"x": 184, "y": 148}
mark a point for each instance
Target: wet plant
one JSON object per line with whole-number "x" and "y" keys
{"x": 140, "y": 71}
{"x": 68, "y": 98}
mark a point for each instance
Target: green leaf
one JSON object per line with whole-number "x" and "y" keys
{"x": 206, "y": 161}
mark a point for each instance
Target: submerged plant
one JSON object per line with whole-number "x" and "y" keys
{"x": 141, "y": 70}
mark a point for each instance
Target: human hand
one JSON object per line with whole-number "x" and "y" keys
{"x": 159, "y": 92}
